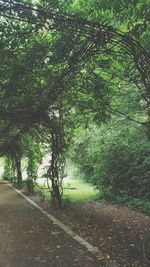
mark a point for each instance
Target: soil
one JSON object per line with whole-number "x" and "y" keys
{"x": 117, "y": 231}
{"x": 28, "y": 238}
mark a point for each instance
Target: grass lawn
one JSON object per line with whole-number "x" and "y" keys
{"x": 77, "y": 190}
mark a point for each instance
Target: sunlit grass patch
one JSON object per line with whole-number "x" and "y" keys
{"x": 74, "y": 191}
{"x": 77, "y": 190}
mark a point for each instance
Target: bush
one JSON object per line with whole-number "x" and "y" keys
{"x": 116, "y": 160}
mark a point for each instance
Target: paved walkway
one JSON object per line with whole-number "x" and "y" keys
{"x": 28, "y": 238}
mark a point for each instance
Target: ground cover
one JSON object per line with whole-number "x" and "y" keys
{"x": 74, "y": 191}
{"x": 117, "y": 231}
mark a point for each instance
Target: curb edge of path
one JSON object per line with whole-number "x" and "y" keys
{"x": 55, "y": 221}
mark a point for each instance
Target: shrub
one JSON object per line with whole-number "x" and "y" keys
{"x": 117, "y": 161}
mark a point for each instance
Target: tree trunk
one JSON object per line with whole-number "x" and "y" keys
{"x": 56, "y": 195}
{"x": 30, "y": 186}
{"x": 19, "y": 173}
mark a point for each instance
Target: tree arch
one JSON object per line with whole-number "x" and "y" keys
{"x": 97, "y": 36}
{"x": 93, "y": 38}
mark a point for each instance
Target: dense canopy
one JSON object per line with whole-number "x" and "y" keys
{"x": 66, "y": 64}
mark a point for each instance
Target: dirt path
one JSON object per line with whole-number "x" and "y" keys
{"x": 28, "y": 238}
{"x": 117, "y": 231}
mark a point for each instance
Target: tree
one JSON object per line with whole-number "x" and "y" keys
{"x": 71, "y": 78}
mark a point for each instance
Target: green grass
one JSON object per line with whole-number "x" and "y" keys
{"x": 77, "y": 190}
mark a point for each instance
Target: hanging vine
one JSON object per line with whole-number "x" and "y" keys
{"x": 55, "y": 173}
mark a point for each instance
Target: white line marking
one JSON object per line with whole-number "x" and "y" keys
{"x": 65, "y": 228}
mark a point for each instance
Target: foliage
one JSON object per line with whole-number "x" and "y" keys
{"x": 115, "y": 160}
{"x": 8, "y": 169}
{"x": 51, "y": 87}
{"x": 126, "y": 15}
{"x": 34, "y": 158}
{"x": 143, "y": 205}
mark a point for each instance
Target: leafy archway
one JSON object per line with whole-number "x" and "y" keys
{"x": 88, "y": 39}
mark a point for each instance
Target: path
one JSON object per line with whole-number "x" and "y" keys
{"x": 28, "y": 238}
